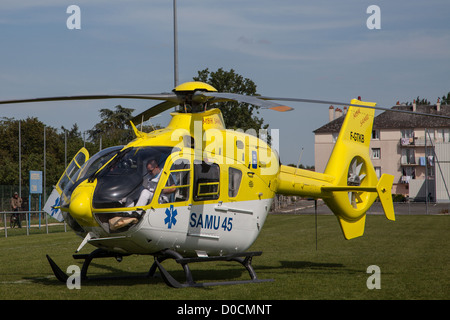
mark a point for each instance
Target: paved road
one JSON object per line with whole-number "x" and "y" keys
{"x": 307, "y": 207}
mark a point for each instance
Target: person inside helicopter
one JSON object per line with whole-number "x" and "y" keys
{"x": 154, "y": 175}
{"x": 149, "y": 186}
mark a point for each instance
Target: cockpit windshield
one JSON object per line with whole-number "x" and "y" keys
{"x": 121, "y": 182}
{"x": 87, "y": 169}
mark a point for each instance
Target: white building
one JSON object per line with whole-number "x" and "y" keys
{"x": 413, "y": 148}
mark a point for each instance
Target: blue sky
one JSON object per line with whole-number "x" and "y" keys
{"x": 304, "y": 49}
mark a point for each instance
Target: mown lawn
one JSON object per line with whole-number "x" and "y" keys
{"x": 412, "y": 254}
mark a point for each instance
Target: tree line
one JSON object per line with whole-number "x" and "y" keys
{"x": 60, "y": 146}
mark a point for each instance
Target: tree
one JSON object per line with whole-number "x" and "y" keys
{"x": 114, "y": 128}
{"x": 236, "y": 115}
{"x": 75, "y": 142}
{"x": 32, "y": 151}
{"x": 422, "y": 101}
{"x": 446, "y": 99}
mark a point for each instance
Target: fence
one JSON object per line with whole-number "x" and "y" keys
{"x": 297, "y": 205}
{"x": 411, "y": 207}
{"x": 7, "y": 191}
{"x": 29, "y": 222}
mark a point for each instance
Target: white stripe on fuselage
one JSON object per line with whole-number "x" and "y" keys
{"x": 215, "y": 228}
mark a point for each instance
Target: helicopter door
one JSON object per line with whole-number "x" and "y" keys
{"x": 173, "y": 197}
{"x": 204, "y": 221}
{"x": 60, "y": 194}
{"x": 178, "y": 183}
{"x": 70, "y": 175}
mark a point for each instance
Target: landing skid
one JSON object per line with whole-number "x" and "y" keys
{"x": 244, "y": 258}
{"x": 98, "y": 253}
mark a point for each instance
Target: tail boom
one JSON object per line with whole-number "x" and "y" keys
{"x": 349, "y": 185}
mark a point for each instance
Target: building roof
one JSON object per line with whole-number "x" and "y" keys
{"x": 397, "y": 120}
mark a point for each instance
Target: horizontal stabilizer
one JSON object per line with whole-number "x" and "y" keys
{"x": 384, "y": 188}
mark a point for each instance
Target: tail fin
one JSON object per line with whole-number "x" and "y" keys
{"x": 356, "y": 185}
{"x": 349, "y": 185}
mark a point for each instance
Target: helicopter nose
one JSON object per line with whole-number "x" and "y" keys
{"x": 80, "y": 206}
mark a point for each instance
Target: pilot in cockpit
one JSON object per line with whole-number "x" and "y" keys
{"x": 150, "y": 183}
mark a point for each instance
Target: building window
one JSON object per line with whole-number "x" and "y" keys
{"x": 375, "y": 134}
{"x": 407, "y": 133}
{"x": 408, "y": 174}
{"x": 376, "y": 153}
{"x": 334, "y": 136}
{"x": 443, "y": 135}
{"x": 429, "y": 135}
{"x": 408, "y": 156}
{"x": 378, "y": 172}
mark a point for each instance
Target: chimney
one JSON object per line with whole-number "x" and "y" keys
{"x": 438, "y": 105}
{"x": 331, "y": 113}
{"x": 338, "y": 113}
{"x": 414, "y": 105}
{"x": 345, "y": 110}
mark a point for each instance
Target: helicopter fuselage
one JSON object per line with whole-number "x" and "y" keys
{"x": 211, "y": 195}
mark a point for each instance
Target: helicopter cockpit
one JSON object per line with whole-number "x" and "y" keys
{"x": 129, "y": 181}
{"x": 125, "y": 182}
{"x": 78, "y": 171}
{"x": 120, "y": 183}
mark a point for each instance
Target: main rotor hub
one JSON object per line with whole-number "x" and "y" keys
{"x": 194, "y": 86}
{"x": 197, "y": 103}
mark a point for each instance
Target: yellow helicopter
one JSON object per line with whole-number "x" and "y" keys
{"x": 196, "y": 192}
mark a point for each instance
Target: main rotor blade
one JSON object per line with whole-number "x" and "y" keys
{"x": 158, "y": 96}
{"x": 354, "y": 105}
{"x": 153, "y": 111}
{"x": 222, "y": 96}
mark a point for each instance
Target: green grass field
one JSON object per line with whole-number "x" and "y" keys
{"x": 412, "y": 253}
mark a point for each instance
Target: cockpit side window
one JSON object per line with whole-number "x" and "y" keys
{"x": 70, "y": 175}
{"x": 178, "y": 182}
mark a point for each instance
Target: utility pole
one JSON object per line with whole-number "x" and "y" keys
{"x": 175, "y": 44}
{"x": 45, "y": 167}
{"x": 20, "y": 163}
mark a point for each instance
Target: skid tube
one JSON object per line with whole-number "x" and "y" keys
{"x": 98, "y": 253}
{"x": 244, "y": 258}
